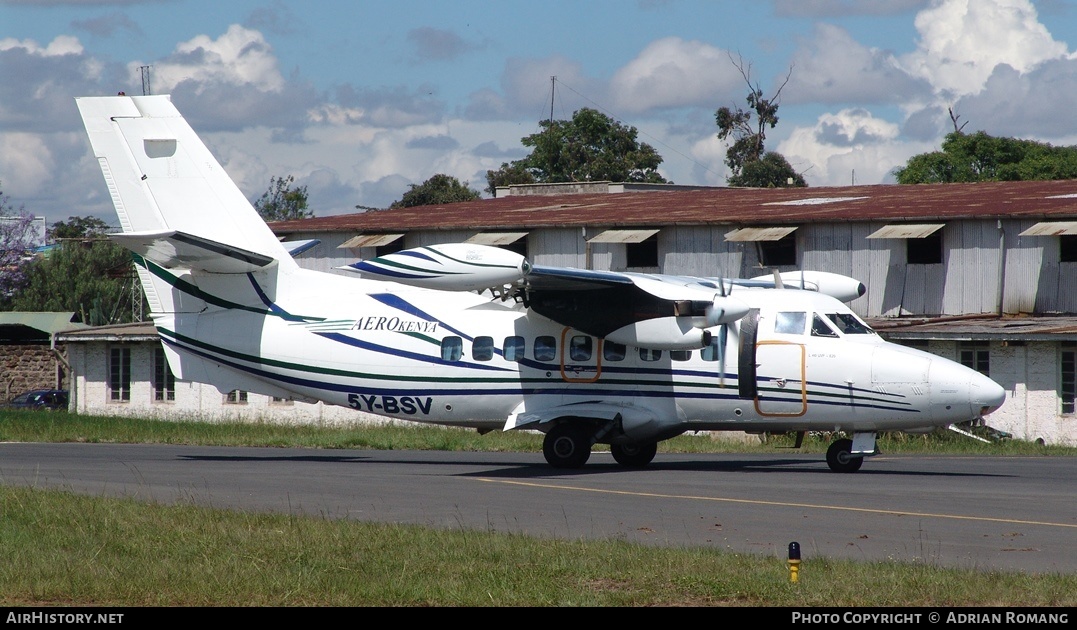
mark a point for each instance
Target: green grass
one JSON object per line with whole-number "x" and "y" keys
{"x": 67, "y": 549}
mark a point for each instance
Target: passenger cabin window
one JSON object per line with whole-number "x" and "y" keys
{"x": 924, "y": 251}
{"x": 482, "y": 349}
{"x": 514, "y": 348}
{"x": 613, "y": 351}
{"x": 820, "y": 327}
{"x": 790, "y": 323}
{"x": 649, "y": 355}
{"x": 849, "y": 324}
{"x": 680, "y": 355}
{"x": 580, "y": 348}
{"x": 452, "y": 348}
{"x": 545, "y": 348}
{"x": 712, "y": 351}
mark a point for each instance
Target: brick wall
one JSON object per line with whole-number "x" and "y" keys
{"x": 28, "y": 366}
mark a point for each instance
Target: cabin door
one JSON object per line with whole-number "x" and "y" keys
{"x": 782, "y": 386}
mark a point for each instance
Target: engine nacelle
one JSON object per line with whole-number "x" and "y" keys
{"x": 663, "y": 333}
{"x": 449, "y": 267}
{"x": 835, "y": 285}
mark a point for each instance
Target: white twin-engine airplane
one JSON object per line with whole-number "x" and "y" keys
{"x": 476, "y": 336}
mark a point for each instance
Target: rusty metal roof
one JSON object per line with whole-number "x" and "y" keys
{"x": 734, "y": 207}
{"x": 977, "y": 328}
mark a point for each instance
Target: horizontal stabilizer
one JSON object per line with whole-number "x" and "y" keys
{"x": 296, "y": 248}
{"x": 171, "y": 249}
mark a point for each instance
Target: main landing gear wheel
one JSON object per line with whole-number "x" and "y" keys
{"x": 566, "y": 446}
{"x": 840, "y": 457}
{"x": 635, "y": 455}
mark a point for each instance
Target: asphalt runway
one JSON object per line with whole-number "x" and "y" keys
{"x": 981, "y": 513}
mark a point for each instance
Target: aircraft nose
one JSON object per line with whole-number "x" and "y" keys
{"x": 985, "y": 393}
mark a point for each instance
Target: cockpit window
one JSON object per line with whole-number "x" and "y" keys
{"x": 820, "y": 328}
{"x": 849, "y": 324}
{"x": 790, "y": 323}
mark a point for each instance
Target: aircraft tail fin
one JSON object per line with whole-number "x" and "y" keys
{"x": 168, "y": 189}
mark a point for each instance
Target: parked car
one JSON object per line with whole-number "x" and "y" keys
{"x": 47, "y": 399}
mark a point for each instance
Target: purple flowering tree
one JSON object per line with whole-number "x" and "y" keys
{"x": 18, "y": 237}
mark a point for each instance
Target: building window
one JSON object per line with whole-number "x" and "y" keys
{"x": 390, "y": 248}
{"x": 164, "y": 381}
{"x": 976, "y": 356}
{"x": 1067, "y": 248}
{"x": 1067, "y": 383}
{"x": 779, "y": 253}
{"x": 519, "y": 247}
{"x": 236, "y": 397}
{"x": 642, "y": 254}
{"x": 119, "y": 375}
{"x": 924, "y": 251}
{"x": 276, "y": 400}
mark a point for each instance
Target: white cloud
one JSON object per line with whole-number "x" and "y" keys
{"x": 835, "y": 68}
{"x": 239, "y": 56}
{"x": 851, "y": 143}
{"x": 672, "y": 72}
{"x": 26, "y": 163}
{"x": 61, "y": 45}
{"x": 962, "y": 41}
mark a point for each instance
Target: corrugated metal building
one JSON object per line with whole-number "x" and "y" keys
{"x": 967, "y": 270}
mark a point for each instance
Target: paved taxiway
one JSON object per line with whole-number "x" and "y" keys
{"x": 980, "y": 513}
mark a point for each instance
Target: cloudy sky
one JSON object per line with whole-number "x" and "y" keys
{"x": 357, "y": 99}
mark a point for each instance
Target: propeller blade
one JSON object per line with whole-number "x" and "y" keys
{"x": 721, "y": 354}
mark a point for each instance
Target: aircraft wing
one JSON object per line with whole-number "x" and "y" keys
{"x": 643, "y": 310}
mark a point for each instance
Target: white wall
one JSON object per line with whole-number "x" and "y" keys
{"x": 194, "y": 401}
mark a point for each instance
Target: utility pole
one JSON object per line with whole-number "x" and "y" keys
{"x": 553, "y": 86}
{"x": 145, "y": 70}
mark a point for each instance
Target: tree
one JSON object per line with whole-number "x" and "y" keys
{"x": 17, "y": 241}
{"x": 93, "y": 277}
{"x": 283, "y": 202}
{"x": 508, "y": 175}
{"x": 439, "y": 189}
{"x": 747, "y": 158}
{"x": 979, "y": 157}
{"x": 770, "y": 171}
{"x": 77, "y": 227}
{"x": 590, "y": 147}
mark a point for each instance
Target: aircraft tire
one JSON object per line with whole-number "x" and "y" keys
{"x": 566, "y": 446}
{"x": 840, "y": 458}
{"x": 635, "y": 455}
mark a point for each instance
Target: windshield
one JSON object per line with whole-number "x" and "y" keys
{"x": 849, "y": 324}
